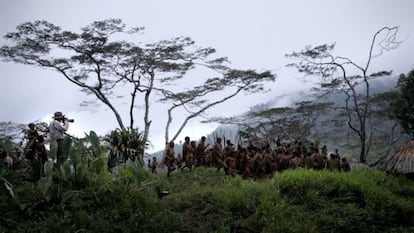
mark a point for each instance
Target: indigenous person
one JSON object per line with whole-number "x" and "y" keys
{"x": 336, "y": 154}
{"x": 170, "y": 160}
{"x": 345, "y": 167}
{"x": 228, "y": 149}
{"x": 31, "y": 135}
{"x": 5, "y": 158}
{"x": 200, "y": 152}
{"x": 188, "y": 153}
{"x": 334, "y": 162}
{"x": 324, "y": 151}
{"x": 318, "y": 162}
{"x": 149, "y": 163}
{"x": 57, "y": 129}
{"x": 218, "y": 155}
{"x": 186, "y": 148}
{"x": 231, "y": 162}
{"x": 154, "y": 165}
{"x": 35, "y": 147}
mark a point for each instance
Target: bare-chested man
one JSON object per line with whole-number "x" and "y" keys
{"x": 186, "y": 146}
{"x": 170, "y": 158}
{"x": 345, "y": 166}
{"x": 218, "y": 155}
{"x": 189, "y": 154}
{"x": 228, "y": 149}
{"x": 200, "y": 152}
{"x": 231, "y": 162}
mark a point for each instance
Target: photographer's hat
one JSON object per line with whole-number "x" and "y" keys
{"x": 58, "y": 115}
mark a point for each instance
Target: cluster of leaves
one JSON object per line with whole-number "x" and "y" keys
{"x": 121, "y": 141}
{"x": 125, "y": 138}
{"x": 293, "y": 201}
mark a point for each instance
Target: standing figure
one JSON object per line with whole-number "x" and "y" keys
{"x": 31, "y": 135}
{"x": 35, "y": 147}
{"x": 200, "y": 152}
{"x": 345, "y": 166}
{"x": 228, "y": 149}
{"x": 324, "y": 151}
{"x": 186, "y": 148}
{"x": 154, "y": 165}
{"x": 188, "y": 154}
{"x": 5, "y": 159}
{"x": 57, "y": 129}
{"x": 170, "y": 160}
{"x": 334, "y": 163}
{"x": 231, "y": 162}
{"x": 218, "y": 155}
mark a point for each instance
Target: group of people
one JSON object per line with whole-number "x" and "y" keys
{"x": 250, "y": 161}
{"x": 35, "y": 149}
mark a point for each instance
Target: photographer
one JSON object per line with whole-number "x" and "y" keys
{"x": 57, "y": 129}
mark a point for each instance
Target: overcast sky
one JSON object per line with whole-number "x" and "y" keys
{"x": 252, "y": 34}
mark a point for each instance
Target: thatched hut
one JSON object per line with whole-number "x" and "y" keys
{"x": 400, "y": 161}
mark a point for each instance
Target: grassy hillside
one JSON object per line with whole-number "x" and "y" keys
{"x": 293, "y": 201}
{"x": 204, "y": 201}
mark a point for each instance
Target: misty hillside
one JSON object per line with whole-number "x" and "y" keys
{"x": 330, "y": 127}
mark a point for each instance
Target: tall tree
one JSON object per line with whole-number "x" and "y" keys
{"x": 101, "y": 64}
{"x": 203, "y": 97}
{"x": 403, "y": 106}
{"x": 161, "y": 63}
{"x": 353, "y": 79}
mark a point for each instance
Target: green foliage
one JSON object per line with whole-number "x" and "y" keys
{"x": 81, "y": 195}
{"x": 123, "y": 140}
{"x": 204, "y": 200}
{"x": 361, "y": 201}
{"x": 403, "y": 106}
{"x": 130, "y": 174}
{"x": 85, "y": 149}
{"x": 293, "y": 201}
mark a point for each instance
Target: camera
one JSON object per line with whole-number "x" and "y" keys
{"x": 69, "y": 120}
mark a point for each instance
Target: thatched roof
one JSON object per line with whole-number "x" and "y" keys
{"x": 399, "y": 161}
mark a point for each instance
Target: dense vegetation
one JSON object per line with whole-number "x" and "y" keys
{"x": 293, "y": 201}
{"x": 93, "y": 201}
{"x": 299, "y": 200}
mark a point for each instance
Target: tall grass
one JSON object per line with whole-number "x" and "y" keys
{"x": 298, "y": 200}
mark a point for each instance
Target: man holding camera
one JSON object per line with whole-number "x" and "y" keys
{"x": 57, "y": 129}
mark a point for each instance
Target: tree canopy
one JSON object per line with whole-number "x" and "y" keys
{"x": 403, "y": 106}
{"x": 101, "y": 61}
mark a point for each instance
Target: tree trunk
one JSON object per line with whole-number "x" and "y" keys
{"x": 147, "y": 122}
{"x": 362, "y": 155}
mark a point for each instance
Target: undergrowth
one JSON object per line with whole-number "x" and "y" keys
{"x": 298, "y": 200}
{"x": 301, "y": 200}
